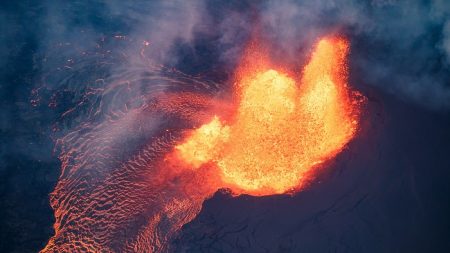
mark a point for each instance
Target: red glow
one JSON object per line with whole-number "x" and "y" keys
{"x": 282, "y": 129}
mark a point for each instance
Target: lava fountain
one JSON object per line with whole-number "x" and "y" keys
{"x": 270, "y": 139}
{"x": 282, "y": 129}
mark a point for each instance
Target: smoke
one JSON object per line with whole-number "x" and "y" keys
{"x": 399, "y": 46}
{"x": 91, "y": 66}
{"x": 402, "y": 47}
{"x": 446, "y": 40}
{"x": 162, "y": 22}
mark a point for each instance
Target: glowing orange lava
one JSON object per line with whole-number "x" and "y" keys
{"x": 282, "y": 128}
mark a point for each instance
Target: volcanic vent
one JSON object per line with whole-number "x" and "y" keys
{"x": 267, "y": 140}
{"x": 282, "y": 129}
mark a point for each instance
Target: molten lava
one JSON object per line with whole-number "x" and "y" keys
{"x": 123, "y": 189}
{"x": 282, "y": 128}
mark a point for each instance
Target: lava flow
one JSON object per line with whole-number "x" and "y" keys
{"x": 282, "y": 129}
{"x": 132, "y": 178}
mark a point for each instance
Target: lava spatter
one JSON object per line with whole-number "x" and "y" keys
{"x": 282, "y": 129}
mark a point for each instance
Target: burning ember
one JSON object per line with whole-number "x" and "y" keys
{"x": 282, "y": 129}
